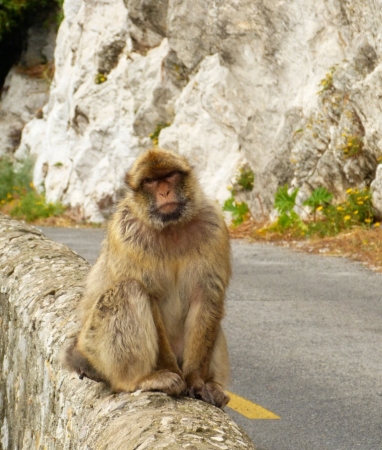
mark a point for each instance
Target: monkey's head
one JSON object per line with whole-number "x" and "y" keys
{"x": 162, "y": 188}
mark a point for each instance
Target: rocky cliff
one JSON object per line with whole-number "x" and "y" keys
{"x": 291, "y": 87}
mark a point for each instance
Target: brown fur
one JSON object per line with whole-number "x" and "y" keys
{"x": 154, "y": 300}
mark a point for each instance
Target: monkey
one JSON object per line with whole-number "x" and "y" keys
{"x": 153, "y": 302}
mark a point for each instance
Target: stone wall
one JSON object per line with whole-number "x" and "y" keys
{"x": 44, "y": 407}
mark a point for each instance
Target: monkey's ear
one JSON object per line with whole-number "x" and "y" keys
{"x": 128, "y": 180}
{"x": 131, "y": 182}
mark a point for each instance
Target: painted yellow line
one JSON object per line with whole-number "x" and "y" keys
{"x": 249, "y": 409}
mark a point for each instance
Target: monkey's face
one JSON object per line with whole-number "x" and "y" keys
{"x": 163, "y": 188}
{"x": 165, "y": 196}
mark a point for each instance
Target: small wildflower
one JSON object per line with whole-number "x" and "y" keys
{"x": 360, "y": 203}
{"x": 347, "y": 218}
{"x": 229, "y": 188}
{"x": 377, "y": 224}
{"x": 340, "y": 208}
{"x": 320, "y": 208}
{"x": 355, "y": 212}
{"x": 349, "y": 191}
{"x": 367, "y": 220}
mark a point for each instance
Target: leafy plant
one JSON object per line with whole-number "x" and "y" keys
{"x": 244, "y": 182}
{"x": 356, "y": 210}
{"x": 33, "y": 205}
{"x": 319, "y": 198}
{"x": 326, "y": 83}
{"x": 239, "y": 210}
{"x": 13, "y": 13}
{"x": 154, "y": 136}
{"x": 285, "y": 202}
{"x": 18, "y": 196}
{"x": 245, "y": 178}
{"x": 12, "y": 181}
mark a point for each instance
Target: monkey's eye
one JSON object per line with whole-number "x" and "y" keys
{"x": 148, "y": 181}
{"x": 172, "y": 174}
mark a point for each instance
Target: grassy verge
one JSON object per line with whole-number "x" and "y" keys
{"x": 359, "y": 244}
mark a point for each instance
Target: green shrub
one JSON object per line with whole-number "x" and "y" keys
{"x": 239, "y": 210}
{"x": 154, "y": 136}
{"x": 14, "y": 13}
{"x": 33, "y": 205}
{"x": 12, "y": 181}
{"x": 244, "y": 182}
{"x": 18, "y": 196}
{"x": 323, "y": 217}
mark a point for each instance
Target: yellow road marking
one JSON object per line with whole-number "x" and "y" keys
{"x": 249, "y": 409}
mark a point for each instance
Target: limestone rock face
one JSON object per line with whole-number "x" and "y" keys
{"x": 294, "y": 90}
{"x": 26, "y": 88}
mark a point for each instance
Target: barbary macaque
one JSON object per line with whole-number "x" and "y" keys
{"x": 154, "y": 300}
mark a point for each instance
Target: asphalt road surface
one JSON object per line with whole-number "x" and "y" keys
{"x": 305, "y": 341}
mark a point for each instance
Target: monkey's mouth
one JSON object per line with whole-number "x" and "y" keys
{"x": 169, "y": 208}
{"x": 170, "y": 212}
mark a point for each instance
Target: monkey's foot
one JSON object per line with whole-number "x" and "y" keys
{"x": 209, "y": 392}
{"x": 164, "y": 381}
{"x": 91, "y": 374}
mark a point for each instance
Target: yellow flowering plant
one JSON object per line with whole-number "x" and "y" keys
{"x": 324, "y": 217}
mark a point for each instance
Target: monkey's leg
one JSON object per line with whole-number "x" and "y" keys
{"x": 203, "y": 333}
{"x": 121, "y": 341}
{"x": 219, "y": 371}
{"x": 167, "y": 369}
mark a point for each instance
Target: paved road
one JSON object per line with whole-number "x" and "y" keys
{"x": 305, "y": 340}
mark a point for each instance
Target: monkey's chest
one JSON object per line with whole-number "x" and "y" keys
{"x": 173, "y": 287}
{"x": 174, "y": 315}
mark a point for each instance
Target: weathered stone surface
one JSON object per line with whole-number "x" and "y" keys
{"x": 238, "y": 81}
{"x": 42, "y": 406}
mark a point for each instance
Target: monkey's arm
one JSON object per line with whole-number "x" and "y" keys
{"x": 202, "y": 328}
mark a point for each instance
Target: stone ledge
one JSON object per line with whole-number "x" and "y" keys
{"x": 44, "y": 407}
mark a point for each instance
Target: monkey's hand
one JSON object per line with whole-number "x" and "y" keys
{"x": 209, "y": 392}
{"x": 164, "y": 381}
